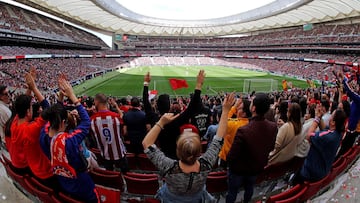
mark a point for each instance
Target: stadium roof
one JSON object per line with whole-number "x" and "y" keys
{"x": 110, "y": 16}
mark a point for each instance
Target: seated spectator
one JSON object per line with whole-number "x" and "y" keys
{"x": 5, "y": 112}
{"x": 25, "y": 150}
{"x": 288, "y": 137}
{"x": 185, "y": 179}
{"x": 324, "y": 145}
{"x": 67, "y": 159}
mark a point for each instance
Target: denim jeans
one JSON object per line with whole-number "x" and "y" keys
{"x": 234, "y": 184}
{"x": 167, "y": 197}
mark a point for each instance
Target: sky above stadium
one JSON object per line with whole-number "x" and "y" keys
{"x": 191, "y": 9}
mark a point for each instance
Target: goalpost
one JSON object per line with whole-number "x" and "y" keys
{"x": 260, "y": 85}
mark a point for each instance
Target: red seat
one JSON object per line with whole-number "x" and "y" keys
{"x": 216, "y": 184}
{"x": 350, "y": 157}
{"x": 108, "y": 180}
{"x": 313, "y": 188}
{"x": 106, "y": 172}
{"x": 68, "y": 199}
{"x": 141, "y": 186}
{"x": 295, "y": 198}
{"x": 100, "y": 160}
{"x": 132, "y": 161}
{"x": 204, "y": 145}
{"x": 6, "y": 160}
{"x": 142, "y": 175}
{"x": 44, "y": 196}
{"x": 286, "y": 194}
{"x": 20, "y": 179}
{"x": 145, "y": 164}
{"x": 108, "y": 195}
{"x": 337, "y": 168}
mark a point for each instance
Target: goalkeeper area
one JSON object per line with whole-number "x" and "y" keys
{"x": 219, "y": 79}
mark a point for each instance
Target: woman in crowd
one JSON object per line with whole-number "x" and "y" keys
{"x": 67, "y": 159}
{"x": 185, "y": 179}
{"x": 288, "y": 136}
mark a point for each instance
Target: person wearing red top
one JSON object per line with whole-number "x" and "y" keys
{"x": 25, "y": 150}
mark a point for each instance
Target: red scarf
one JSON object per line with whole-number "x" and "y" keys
{"x": 59, "y": 161}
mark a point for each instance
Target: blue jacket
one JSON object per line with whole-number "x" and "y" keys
{"x": 355, "y": 106}
{"x": 82, "y": 187}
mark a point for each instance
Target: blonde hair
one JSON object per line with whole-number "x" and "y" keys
{"x": 188, "y": 147}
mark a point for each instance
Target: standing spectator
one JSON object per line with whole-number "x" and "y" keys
{"x": 185, "y": 178}
{"x": 67, "y": 159}
{"x": 170, "y": 134}
{"x": 288, "y": 137}
{"x": 135, "y": 125}
{"x": 242, "y": 118}
{"x": 325, "y": 107}
{"x": 352, "y": 132}
{"x": 249, "y": 153}
{"x": 5, "y": 112}
{"x": 202, "y": 119}
{"x": 323, "y": 148}
{"x": 105, "y": 126}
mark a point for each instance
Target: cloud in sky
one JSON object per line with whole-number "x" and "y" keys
{"x": 191, "y": 9}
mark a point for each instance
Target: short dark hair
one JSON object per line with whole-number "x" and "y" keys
{"x": 2, "y": 88}
{"x": 246, "y": 107}
{"x": 163, "y": 103}
{"x": 261, "y": 103}
{"x": 22, "y": 104}
{"x": 325, "y": 103}
{"x": 135, "y": 102}
{"x": 101, "y": 98}
{"x": 55, "y": 115}
{"x": 339, "y": 118}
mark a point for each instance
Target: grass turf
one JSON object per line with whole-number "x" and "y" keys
{"x": 130, "y": 81}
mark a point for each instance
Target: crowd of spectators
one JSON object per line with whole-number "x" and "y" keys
{"x": 19, "y": 20}
{"x": 75, "y": 68}
{"x": 323, "y": 108}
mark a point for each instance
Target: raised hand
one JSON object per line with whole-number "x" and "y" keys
{"x": 147, "y": 77}
{"x": 66, "y": 88}
{"x": 229, "y": 101}
{"x": 167, "y": 118}
{"x": 30, "y": 81}
{"x": 200, "y": 79}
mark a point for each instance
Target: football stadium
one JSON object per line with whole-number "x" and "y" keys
{"x": 161, "y": 101}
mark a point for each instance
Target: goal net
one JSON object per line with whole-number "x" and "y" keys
{"x": 260, "y": 85}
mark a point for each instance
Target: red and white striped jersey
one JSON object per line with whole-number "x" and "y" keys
{"x": 106, "y": 128}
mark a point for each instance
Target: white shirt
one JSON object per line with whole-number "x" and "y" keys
{"x": 5, "y": 114}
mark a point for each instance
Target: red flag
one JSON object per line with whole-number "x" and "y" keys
{"x": 178, "y": 83}
{"x": 284, "y": 85}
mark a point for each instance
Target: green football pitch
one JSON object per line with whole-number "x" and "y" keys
{"x": 129, "y": 81}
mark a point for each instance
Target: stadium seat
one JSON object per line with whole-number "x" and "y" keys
{"x": 6, "y": 160}
{"x": 313, "y": 188}
{"x": 109, "y": 180}
{"x": 132, "y": 161}
{"x": 107, "y": 194}
{"x": 142, "y": 175}
{"x": 216, "y": 183}
{"x": 295, "y": 198}
{"x": 145, "y": 164}
{"x": 351, "y": 156}
{"x": 64, "y": 198}
{"x": 99, "y": 158}
{"x": 287, "y": 194}
{"x": 141, "y": 186}
{"x": 337, "y": 168}
{"x": 33, "y": 189}
{"x": 204, "y": 145}
{"x": 19, "y": 179}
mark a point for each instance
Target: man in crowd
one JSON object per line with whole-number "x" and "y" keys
{"x": 249, "y": 153}
{"x": 105, "y": 126}
{"x": 5, "y": 112}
